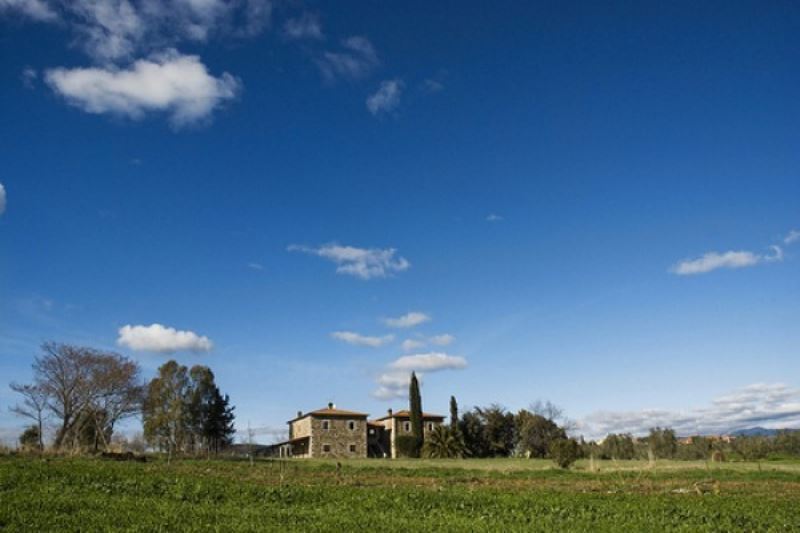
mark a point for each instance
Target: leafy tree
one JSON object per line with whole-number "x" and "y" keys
{"x": 564, "y": 451}
{"x": 752, "y": 448}
{"x": 415, "y": 408}
{"x": 473, "y": 431}
{"x": 31, "y": 438}
{"x": 619, "y": 446}
{"x": 186, "y": 412}
{"x": 663, "y": 442}
{"x": 444, "y": 442}
{"x": 535, "y": 433}
{"x": 212, "y": 414}
{"x": 697, "y": 448}
{"x": 488, "y": 431}
{"x": 453, "y": 413}
{"x": 788, "y": 442}
{"x": 166, "y": 416}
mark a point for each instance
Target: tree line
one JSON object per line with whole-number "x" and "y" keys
{"x": 84, "y": 394}
{"x": 490, "y": 431}
{"x": 541, "y": 431}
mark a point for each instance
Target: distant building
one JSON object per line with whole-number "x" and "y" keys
{"x": 339, "y": 433}
{"x": 328, "y": 432}
{"x": 394, "y": 425}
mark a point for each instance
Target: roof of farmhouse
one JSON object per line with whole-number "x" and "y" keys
{"x": 331, "y": 410}
{"x": 407, "y": 414}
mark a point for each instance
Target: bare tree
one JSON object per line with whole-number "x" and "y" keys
{"x": 552, "y": 412}
{"x": 86, "y": 390}
{"x": 33, "y": 406}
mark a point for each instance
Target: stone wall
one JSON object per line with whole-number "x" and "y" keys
{"x": 399, "y": 429}
{"x": 339, "y": 437}
{"x": 301, "y": 428}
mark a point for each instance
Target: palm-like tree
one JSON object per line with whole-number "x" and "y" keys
{"x": 444, "y": 443}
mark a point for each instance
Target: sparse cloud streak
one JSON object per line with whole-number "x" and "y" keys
{"x": 362, "y": 263}
{"x": 711, "y": 261}
{"x": 356, "y": 58}
{"x": 386, "y": 99}
{"x": 38, "y": 10}
{"x": 792, "y": 237}
{"x": 306, "y": 26}
{"x": 2, "y": 199}
{"x": 357, "y": 339}
{"x": 429, "y": 362}
{"x": 773, "y": 406}
{"x": 409, "y": 320}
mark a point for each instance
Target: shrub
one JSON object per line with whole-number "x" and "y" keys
{"x": 29, "y": 440}
{"x": 444, "y": 443}
{"x": 406, "y": 446}
{"x": 564, "y": 452}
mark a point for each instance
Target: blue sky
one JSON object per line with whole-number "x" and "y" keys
{"x": 590, "y": 204}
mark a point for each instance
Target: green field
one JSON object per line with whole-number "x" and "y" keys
{"x": 60, "y": 494}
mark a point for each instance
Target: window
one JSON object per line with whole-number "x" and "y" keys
{"x": 430, "y": 426}
{"x": 326, "y": 425}
{"x": 326, "y": 448}
{"x": 407, "y": 427}
{"x": 352, "y": 448}
{"x": 351, "y": 425}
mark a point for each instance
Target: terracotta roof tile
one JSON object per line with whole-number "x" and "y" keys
{"x": 331, "y": 411}
{"x": 405, "y": 413}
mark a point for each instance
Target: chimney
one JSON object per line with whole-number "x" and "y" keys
{"x": 299, "y": 414}
{"x": 331, "y": 406}
{"x": 389, "y": 411}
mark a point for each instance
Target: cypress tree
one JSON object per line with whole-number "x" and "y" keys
{"x": 415, "y": 407}
{"x": 453, "y": 413}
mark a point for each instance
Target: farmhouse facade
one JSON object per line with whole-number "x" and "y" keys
{"x": 340, "y": 433}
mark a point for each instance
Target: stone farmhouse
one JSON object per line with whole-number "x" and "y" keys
{"x": 339, "y": 433}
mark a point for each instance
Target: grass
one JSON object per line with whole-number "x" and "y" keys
{"x": 472, "y": 495}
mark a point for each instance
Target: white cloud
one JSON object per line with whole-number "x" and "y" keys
{"x": 364, "y": 263}
{"x": 36, "y": 9}
{"x": 355, "y": 60}
{"x": 162, "y": 339}
{"x": 412, "y": 344}
{"x": 110, "y": 30}
{"x": 792, "y": 237}
{"x": 731, "y": 259}
{"x": 171, "y": 83}
{"x": 393, "y": 382}
{"x": 255, "y": 266}
{"x": 409, "y": 320}
{"x": 766, "y": 405}
{"x": 356, "y": 339}
{"x": 307, "y": 26}
{"x": 2, "y": 199}
{"x": 429, "y": 362}
{"x": 390, "y": 393}
{"x": 386, "y": 98}
{"x": 492, "y": 217}
{"x": 442, "y": 340}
